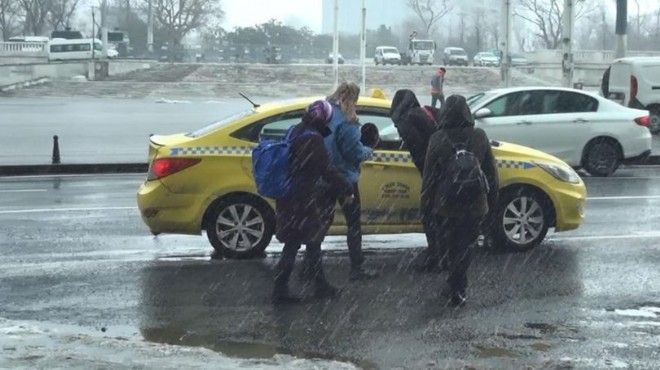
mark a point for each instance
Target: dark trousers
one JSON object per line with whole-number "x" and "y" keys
{"x": 313, "y": 262}
{"x": 458, "y": 235}
{"x": 437, "y": 97}
{"x": 352, "y": 213}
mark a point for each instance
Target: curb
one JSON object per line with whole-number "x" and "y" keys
{"x": 24, "y": 84}
{"x": 110, "y": 168}
{"x": 73, "y": 169}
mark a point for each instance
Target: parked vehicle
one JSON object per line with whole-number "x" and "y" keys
{"x": 330, "y": 59}
{"x": 582, "y": 129}
{"x": 35, "y": 39}
{"x": 67, "y": 34}
{"x": 518, "y": 60}
{"x": 485, "y": 59}
{"x": 537, "y": 190}
{"x": 635, "y": 83}
{"x": 419, "y": 52}
{"x": 455, "y": 56}
{"x": 387, "y": 55}
{"x": 63, "y": 49}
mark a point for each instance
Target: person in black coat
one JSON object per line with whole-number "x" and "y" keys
{"x": 459, "y": 222}
{"x": 415, "y": 125}
{"x": 305, "y": 214}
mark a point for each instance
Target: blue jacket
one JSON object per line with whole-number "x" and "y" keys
{"x": 343, "y": 144}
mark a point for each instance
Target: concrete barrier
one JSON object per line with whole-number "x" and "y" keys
{"x": 21, "y": 73}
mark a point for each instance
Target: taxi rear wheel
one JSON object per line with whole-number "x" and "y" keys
{"x": 240, "y": 226}
{"x": 522, "y": 219}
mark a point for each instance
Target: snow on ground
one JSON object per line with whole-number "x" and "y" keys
{"x": 38, "y": 345}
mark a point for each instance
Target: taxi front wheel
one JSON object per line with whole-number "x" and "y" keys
{"x": 240, "y": 226}
{"x": 521, "y": 220}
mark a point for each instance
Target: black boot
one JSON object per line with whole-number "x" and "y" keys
{"x": 283, "y": 270}
{"x": 281, "y": 295}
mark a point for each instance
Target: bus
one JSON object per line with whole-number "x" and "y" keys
{"x": 76, "y": 49}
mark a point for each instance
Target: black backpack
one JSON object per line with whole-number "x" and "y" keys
{"x": 462, "y": 181}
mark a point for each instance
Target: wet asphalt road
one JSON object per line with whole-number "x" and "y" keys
{"x": 75, "y": 251}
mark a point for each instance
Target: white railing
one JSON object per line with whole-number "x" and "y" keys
{"x": 584, "y": 56}
{"x": 27, "y": 49}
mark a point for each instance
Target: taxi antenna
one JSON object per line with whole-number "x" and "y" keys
{"x": 254, "y": 105}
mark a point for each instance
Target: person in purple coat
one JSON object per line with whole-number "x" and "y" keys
{"x": 304, "y": 216}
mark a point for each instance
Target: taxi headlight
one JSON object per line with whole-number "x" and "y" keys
{"x": 562, "y": 173}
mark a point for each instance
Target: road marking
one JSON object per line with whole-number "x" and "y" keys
{"x": 23, "y": 191}
{"x": 627, "y": 197}
{"x": 44, "y": 210}
{"x": 603, "y": 237}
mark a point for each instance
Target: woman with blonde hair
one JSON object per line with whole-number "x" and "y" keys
{"x": 347, "y": 153}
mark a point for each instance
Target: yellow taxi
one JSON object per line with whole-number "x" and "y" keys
{"x": 202, "y": 180}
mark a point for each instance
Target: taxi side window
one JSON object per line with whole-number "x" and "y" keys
{"x": 389, "y": 136}
{"x": 273, "y": 128}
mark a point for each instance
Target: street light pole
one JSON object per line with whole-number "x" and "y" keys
{"x": 335, "y": 45}
{"x": 150, "y": 28}
{"x": 567, "y": 43}
{"x": 506, "y": 25}
{"x": 93, "y": 31}
{"x": 363, "y": 46}
{"x": 621, "y": 28}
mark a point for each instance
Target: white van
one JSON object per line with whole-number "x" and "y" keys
{"x": 387, "y": 55}
{"x": 63, "y": 49}
{"x": 635, "y": 83}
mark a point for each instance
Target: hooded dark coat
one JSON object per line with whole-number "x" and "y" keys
{"x": 413, "y": 124}
{"x": 305, "y": 215}
{"x": 457, "y": 125}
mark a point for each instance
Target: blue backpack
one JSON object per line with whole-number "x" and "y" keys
{"x": 271, "y": 165}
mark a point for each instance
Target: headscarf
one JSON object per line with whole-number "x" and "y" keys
{"x": 455, "y": 113}
{"x": 318, "y": 114}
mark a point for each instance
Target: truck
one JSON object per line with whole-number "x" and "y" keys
{"x": 419, "y": 51}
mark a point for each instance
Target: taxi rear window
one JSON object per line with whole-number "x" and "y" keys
{"x": 223, "y": 122}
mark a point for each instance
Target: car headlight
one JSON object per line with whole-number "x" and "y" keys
{"x": 562, "y": 173}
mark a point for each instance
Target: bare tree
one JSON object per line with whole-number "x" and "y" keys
{"x": 430, "y": 12}
{"x": 62, "y": 12}
{"x": 9, "y": 14}
{"x": 36, "y": 15}
{"x": 547, "y": 16}
{"x": 179, "y": 17}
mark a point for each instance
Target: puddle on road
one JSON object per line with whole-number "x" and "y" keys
{"x": 491, "y": 352}
{"x": 236, "y": 349}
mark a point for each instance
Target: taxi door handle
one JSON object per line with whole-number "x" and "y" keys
{"x": 525, "y": 122}
{"x": 377, "y": 166}
{"x": 580, "y": 120}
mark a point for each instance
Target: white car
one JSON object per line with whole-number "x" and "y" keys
{"x": 486, "y": 59}
{"x": 582, "y": 129}
{"x": 387, "y": 54}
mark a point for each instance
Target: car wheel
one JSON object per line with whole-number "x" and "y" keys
{"x": 654, "y": 122}
{"x": 602, "y": 156}
{"x": 240, "y": 227}
{"x": 522, "y": 219}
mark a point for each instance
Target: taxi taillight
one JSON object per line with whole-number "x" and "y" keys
{"x": 164, "y": 167}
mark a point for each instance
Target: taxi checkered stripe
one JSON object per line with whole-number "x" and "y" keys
{"x": 195, "y": 150}
{"x": 503, "y": 163}
{"x": 377, "y": 157}
{"x": 392, "y": 157}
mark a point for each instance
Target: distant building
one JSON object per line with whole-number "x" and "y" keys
{"x": 387, "y": 12}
